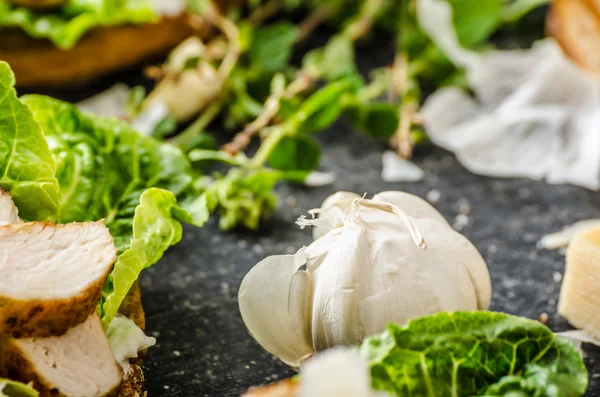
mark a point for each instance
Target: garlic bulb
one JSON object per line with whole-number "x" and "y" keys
{"x": 376, "y": 261}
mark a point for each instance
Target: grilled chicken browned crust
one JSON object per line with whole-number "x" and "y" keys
{"x": 78, "y": 363}
{"x": 52, "y": 275}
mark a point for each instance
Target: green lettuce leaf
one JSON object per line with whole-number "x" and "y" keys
{"x": 66, "y": 26}
{"x": 106, "y": 170}
{"x": 10, "y": 388}
{"x": 156, "y": 227}
{"x": 85, "y": 168}
{"x": 26, "y": 165}
{"x": 474, "y": 354}
{"x": 103, "y": 165}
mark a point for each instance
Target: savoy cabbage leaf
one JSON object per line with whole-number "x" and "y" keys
{"x": 465, "y": 354}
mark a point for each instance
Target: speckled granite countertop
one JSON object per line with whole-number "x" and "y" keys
{"x": 190, "y": 296}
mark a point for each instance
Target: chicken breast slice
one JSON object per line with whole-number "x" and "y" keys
{"x": 79, "y": 363}
{"x": 8, "y": 211}
{"x": 52, "y": 275}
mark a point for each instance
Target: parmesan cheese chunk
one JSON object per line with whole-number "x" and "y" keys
{"x": 580, "y": 293}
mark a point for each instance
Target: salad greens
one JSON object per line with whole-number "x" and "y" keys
{"x": 63, "y": 165}
{"x": 474, "y": 354}
{"x": 261, "y": 93}
{"x": 67, "y": 25}
{"x": 26, "y": 164}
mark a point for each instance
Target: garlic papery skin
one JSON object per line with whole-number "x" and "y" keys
{"x": 390, "y": 260}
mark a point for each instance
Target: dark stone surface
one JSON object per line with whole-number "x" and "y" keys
{"x": 190, "y": 296}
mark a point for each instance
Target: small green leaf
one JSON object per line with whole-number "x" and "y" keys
{"x": 246, "y": 35}
{"x": 332, "y": 62}
{"x": 288, "y": 107}
{"x": 200, "y": 141}
{"x": 272, "y": 46}
{"x": 378, "y": 119}
{"x": 475, "y": 20}
{"x": 135, "y": 99}
{"x": 197, "y": 155}
{"x": 165, "y": 127}
{"x": 298, "y": 152}
{"x": 322, "y": 108}
{"x": 242, "y": 197}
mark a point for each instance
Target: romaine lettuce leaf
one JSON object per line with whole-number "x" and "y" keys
{"x": 86, "y": 168}
{"x": 106, "y": 170}
{"x": 26, "y": 166}
{"x": 67, "y": 25}
{"x": 474, "y": 354}
{"x": 156, "y": 227}
{"x": 103, "y": 164}
{"x": 10, "y": 388}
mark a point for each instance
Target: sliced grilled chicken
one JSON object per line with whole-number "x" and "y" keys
{"x": 79, "y": 363}
{"x": 575, "y": 24}
{"x": 52, "y": 275}
{"x": 8, "y": 211}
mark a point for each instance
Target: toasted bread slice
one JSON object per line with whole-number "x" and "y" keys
{"x": 575, "y": 24}
{"x": 133, "y": 383}
{"x": 38, "y": 63}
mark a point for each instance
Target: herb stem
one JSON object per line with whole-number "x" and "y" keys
{"x": 231, "y": 31}
{"x": 402, "y": 139}
{"x": 302, "y": 82}
{"x": 268, "y": 145}
{"x": 316, "y": 18}
{"x": 362, "y": 25}
{"x": 199, "y": 125}
{"x": 264, "y": 12}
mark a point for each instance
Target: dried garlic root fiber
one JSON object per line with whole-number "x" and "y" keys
{"x": 580, "y": 293}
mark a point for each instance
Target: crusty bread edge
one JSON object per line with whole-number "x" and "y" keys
{"x": 133, "y": 383}
{"x": 104, "y": 50}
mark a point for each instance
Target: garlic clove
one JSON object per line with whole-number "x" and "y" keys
{"x": 338, "y": 285}
{"x": 406, "y": 282}
{"x": 478, "y": 271}
{"x": 274, "y": 301}
{"x": 471, "y": 259}
{"x": 412, "y": 205}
